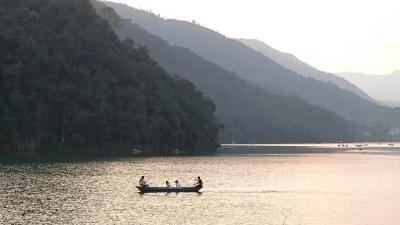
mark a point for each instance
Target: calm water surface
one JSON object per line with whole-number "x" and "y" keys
{"x": 348, "y": 188}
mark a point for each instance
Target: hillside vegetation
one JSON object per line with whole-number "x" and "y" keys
{"x": 248, "y": 114}
{"x": 260, "y": 70}
{"x": 68, "y": 86}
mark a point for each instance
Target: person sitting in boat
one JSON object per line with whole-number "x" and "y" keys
{"x": 167, "y": 184}
{"x": 199, "y": 183}
{"x": 142, "y": 182}
{"x": 177, "y": 184}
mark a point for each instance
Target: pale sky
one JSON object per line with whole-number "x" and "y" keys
{"x": 334, "y": 36}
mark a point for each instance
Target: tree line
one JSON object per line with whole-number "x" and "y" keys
{"x": 68, "y": 86}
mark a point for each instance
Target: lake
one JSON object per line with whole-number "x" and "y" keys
{"x": 357, "y": 188}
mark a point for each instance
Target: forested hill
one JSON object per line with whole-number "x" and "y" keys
{"x": 68, "y": 86}
{"x": 260, "y": 70}
{"x": 249, "y": 114}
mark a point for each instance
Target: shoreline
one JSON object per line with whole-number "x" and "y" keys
{"x": 224, "y": 149}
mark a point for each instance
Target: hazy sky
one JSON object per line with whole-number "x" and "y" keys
{"x": 332, "y": 35}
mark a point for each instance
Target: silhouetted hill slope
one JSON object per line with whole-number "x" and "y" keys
{"x": 259, "y": 69}
{"x": 249, "y": 114}
{"x": 291, "y": 62}
{"x": 68, "y": 86}
{"x": 380, "y": 87}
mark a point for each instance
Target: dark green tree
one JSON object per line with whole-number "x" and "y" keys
{"x": 68, "y": 86}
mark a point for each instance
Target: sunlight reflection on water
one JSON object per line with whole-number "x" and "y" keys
{"x": 356, "y": 189}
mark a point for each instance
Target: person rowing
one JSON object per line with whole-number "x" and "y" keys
{"x": 142, "y": 182}
{"x": 167, "y": 184}
{"x": 199, "y": 183}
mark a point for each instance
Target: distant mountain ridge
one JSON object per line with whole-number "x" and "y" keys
{"x": 381, "y": 87}
{"x": 249, "y": 114}
{"x": 291, "y": 62}
{"x": 260, "y": 70}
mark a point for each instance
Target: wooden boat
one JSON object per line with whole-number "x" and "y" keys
{"x": 165, "y": 189}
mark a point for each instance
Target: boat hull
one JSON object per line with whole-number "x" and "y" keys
{"x": 165, "y": 189}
